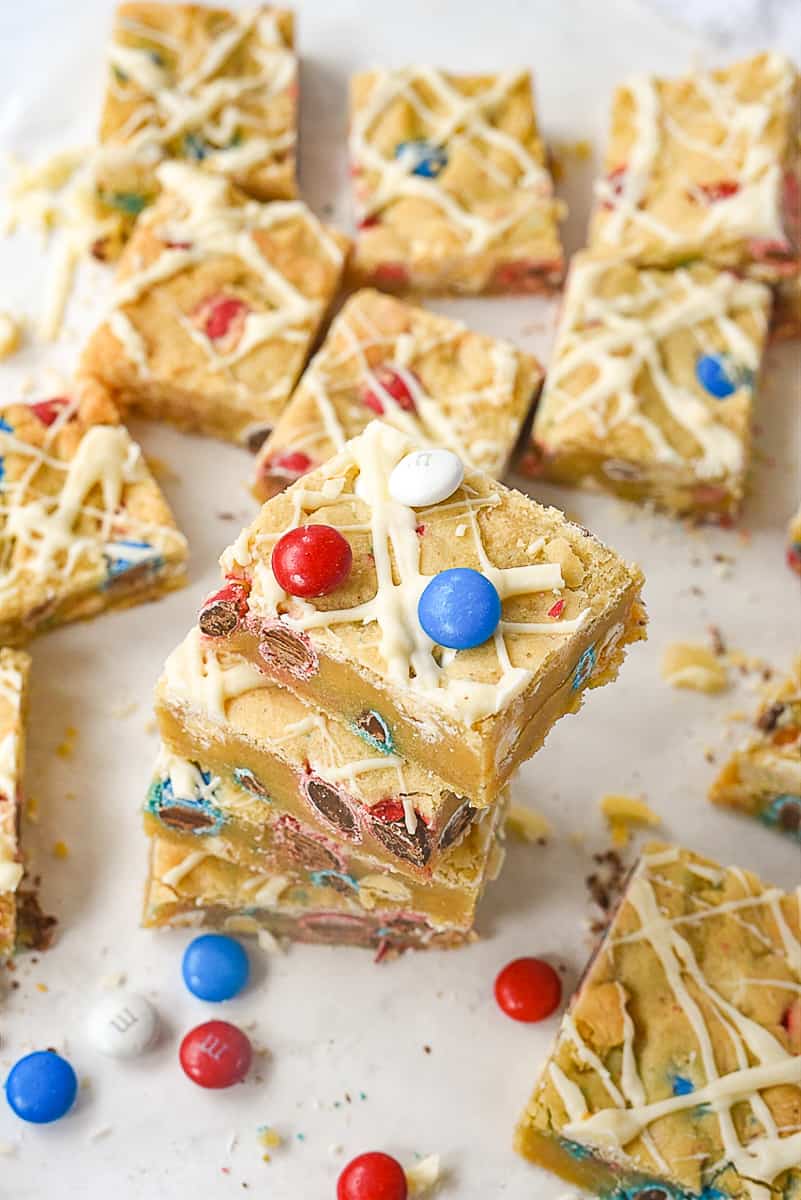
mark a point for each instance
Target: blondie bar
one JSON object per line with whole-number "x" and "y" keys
{"x": 794, "y": 543}
{"x": 14, "y": 669}
{"x": 83, "y": 524}
{"x": 763, "y": 777}
{"x": 650, "y": 391}
{"x": 347, "y": 782}
{"x": 451, "y": 187}
{"x": 705, "y": 166}
{"x": 428, "y": 375}
{"x": 466, "y": 668}
{"x": 676, "y": 1073}
{"x": 227, "y": 813}
{"x": 214, "y": 87}
{"x": 218, "y": 301}
{"x": 191, "y": 887}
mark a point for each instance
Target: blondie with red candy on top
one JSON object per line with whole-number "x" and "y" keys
{"x": 218, "y": 300}
{"x": 426, "y": 374}
{"x": 84, "y": 526}
{"x": 451, "y": 185}
{"x": 676, "y": 1073}
{"x": 705, "y": 166}
{"x": 398, "y": 581}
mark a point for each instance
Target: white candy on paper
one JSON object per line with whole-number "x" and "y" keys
{"x": 123, "y": 1025}
{"x": 426, "y": 477}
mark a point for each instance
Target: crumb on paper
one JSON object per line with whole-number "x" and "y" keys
{"x": 423, "y": 1175}
{"x": 689, "y": 665}
{"x": 623, "y": 811}
{"x": 605, "y": 884}
{"x": 61, "y": 850}
{"x": 150, "y": 726}
{"x": 526, "y": 824}
{"x": 7, "y": 1148}
{"x": 112, "y": 981}
{"x": 66, "y": 747}
{"x": 269, "y": 942}
{"x": 269, "y": 1140}
{"x": 98, "y": 1134}
{"x": 32, "y": 810}
{"x": 10, "y": 334}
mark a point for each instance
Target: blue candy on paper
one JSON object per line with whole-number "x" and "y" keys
{"x": 459, "y": 608}
{"x": 424, "y": 158}
{"x": 720, "y": 376}
{"x": 215, "y": 967}
{"x": 41, "y": 1087}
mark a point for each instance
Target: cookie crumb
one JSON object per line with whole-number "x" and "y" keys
{"x": 689, "y": 665}
{"x": 622, "y": 811}
{"x": 526, "y": 824}
{"x": 10, "y": 334}
{"x": 423, "y": 1175}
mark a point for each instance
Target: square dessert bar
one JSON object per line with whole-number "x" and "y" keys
{"x": 794, "y": 542}
{"x": 763, "y": 777}
{"x": 538, "y": 611}
{"x": 651, "y": 386}
{"x": 218, "y": 301}
{"x": 347, "y": 782}
{"x": 214, "y": 87}
{"x": 426, "y": 374}
{"x": 451, "y": 187}
{"x": 83, "y": 525}
{"x": 14, "y": 669}
{"x": 705, "y": 166}
{"x": 190, "y": 887}
{"x": 226, "y": 813}
{"x": 676, "y": 1073}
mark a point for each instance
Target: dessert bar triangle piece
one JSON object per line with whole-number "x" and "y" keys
{"x": 14, "y": 670}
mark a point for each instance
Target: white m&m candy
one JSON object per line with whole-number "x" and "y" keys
{"x": 123, "y": 1025}
{"x": 426, "y": 477}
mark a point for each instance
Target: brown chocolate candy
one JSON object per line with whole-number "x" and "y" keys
{"x": 309, "y": 850}
{"x": 395, "y": 837}
{"x": 186, "y": 818}
{"x": 257, "y": 437}
{"x": 790, "y": 816}
{"x": 769, "y": 719}
{"x": 458, "y": 824}
{"x": 333, "y": 806}
{"x": 339, "y": 928}
{"x": 372, "y": 726}
{"x": 286, "y": 651}
{"x": 218, "y": 619}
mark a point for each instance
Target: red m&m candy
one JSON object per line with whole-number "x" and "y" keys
{"x": 373, "y": 1176}
{"x": 312, "y": 560}
{"x": 216, "y": 1055}
{"x": 391, "y": 382}
{"x": 528, "y": 989}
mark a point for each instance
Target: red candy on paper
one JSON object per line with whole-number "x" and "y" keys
{"x": 216, "y": 1055}
{"x": 393, "y": 383}
{"x": 373, "y": 1176}
{"x": 312, "y": 560}
{"x": 528, "y": 989}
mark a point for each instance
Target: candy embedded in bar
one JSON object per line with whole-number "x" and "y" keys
{"x": 651, "y": 387}
{"x": 763, "y": 777}
{"x": 428, "y": 375}
{"x": 794, "y": 543}
{"x": 214, "y": 87}
{"x": 705, "y": 167}
{"x": 84, "y": 525}
{"x": 676, "y": 1073}
{"x": 348, "y": 783}
{"x": 451, "y": 186}
{"x": 218, "y": 301}
{"x": 228, "y": 813}
{"x": 568, "y": 607}
{"x": 14, "y": 670}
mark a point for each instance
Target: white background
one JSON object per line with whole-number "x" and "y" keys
{"x": 334, "y": 1023}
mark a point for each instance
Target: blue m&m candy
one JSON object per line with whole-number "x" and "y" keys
{"x": 215, "y": 967}
{"x": 717, "y": 375}
{"x": 459, "y": 608}
{"x": 423, "y": 158}
{"x": 41, "y": 1087}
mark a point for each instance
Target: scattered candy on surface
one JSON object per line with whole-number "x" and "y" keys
{"x": 41, "y": 1087}
{"x": 528, "y": 989}
{"x": 216, "y": 1055}
{"x": 123, "y": 1025}
{"x": 373, "y": 1176}
{"x": 426, "y": 477}
{"x": 215, "y": 967}
{"x": 312, "y": 560}
{"x": 459, "y": 608}
{"x": 716, "y": 375}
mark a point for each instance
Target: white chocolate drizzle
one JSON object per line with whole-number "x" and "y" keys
{"x": 391, "y": 614}
{"x": 762, "y": 1062}
{"x": 618, "y": 338}
{"x": 463, "y": 121}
